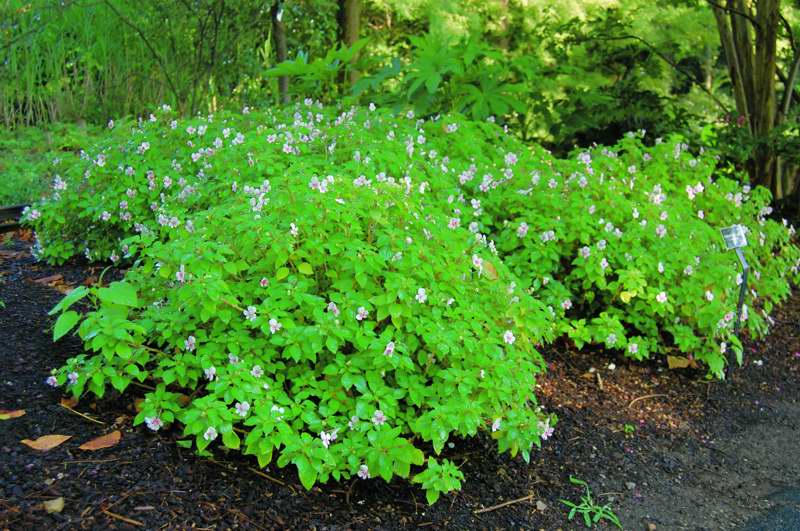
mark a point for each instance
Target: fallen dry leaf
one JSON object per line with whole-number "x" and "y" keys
{"x": 49, "y": 280}
{"x": 138, "y": 404}
{"x": 6, "y": 414}
{"x": 69, "y": 402}
{"x": 677, "y": 362}
{"x": 54, "y": 506}
{"x": 106, "y": 441}
{"x": 46, "y": 442}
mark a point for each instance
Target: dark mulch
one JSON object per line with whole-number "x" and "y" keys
{"x": 699, "y": 455}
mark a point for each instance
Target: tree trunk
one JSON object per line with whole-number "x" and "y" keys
{"x": 750, "y": 46}
{"x": 350, "y": 23}
{"x": 279, "y": 34}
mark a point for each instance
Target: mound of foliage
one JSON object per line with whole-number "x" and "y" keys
{"x": 335, "y": 325}
{"x": 622, "y": 243}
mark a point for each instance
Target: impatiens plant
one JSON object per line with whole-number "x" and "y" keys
{"x": 341, "y": 325}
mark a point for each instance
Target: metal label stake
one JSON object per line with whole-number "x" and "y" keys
{"x": 735, "y": 239}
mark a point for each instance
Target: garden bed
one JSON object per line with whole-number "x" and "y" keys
{"x": 663, "y": 448}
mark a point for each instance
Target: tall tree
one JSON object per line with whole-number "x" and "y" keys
{"x": 748, "y": 31}
{"x": 350, "y": 25}
{"x": 279, "y": 34}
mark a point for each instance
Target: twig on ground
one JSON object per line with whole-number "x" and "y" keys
{"x": 267, "y": 476}
{"x": 125, "y": 519}
{"x": 87, "y": 417}
{"x": 644, "y": 397}
{"x": 504, "y": 504}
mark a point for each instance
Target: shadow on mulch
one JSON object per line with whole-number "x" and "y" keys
{"x": 666, "y": 449}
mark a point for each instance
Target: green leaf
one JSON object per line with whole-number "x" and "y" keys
{"x": 119, "y": 293}
{"x": 305, "y": 268}
{"x": 231, "y": 440}
{"x": 65, "y": 323}
{"x": 282, "y": 273}
{"x": 71, "y": 298}
{"x": 306, "y": 471}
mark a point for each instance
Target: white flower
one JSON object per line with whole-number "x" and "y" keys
{"x": 257, "y": 371}
{"x": 496, "y": 425}
{"x": 389, "y": 350}
{"x": 361, "y": 314}
{"x": 508, "y": 337}
{"x": 274, "y": 325}
{"x": 661, "y": 297}
{"x": 154, "y": 423}
{"x": 378, "y": 418}
{"x": 421, "y": 296}
{"x": 250, "y": 313}
{"x": 242, "y": 408}
{"x": 210, "y": 434}
{"x": 210, "y": 373}
{"x": 363, "y": 472}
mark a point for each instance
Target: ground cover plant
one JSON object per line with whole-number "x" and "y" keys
{"x": 341, "y": 327}
{"x": 621, "y": 242}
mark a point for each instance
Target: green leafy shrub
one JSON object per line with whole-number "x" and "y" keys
{"x": 624, "y": 243}
{"x": 30, "y": 157}
{"x": 336, "y": 329}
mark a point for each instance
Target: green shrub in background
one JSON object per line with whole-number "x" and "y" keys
{"x": 30, "y": 157}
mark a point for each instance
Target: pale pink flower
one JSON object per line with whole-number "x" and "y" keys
{"x": 210, "y": 434}
{"x": 421, "y": 296}
{"x": 154, "y": 423}
{"x": 522, "y": 230}
{"x": 274, "y": 325}
{"x": 333, "y": 308}
{"x": 389, "y": 350}
{"x": 508, "y": 337}
{"x": 264, "y": 282}
{"x": 52, "y": 381}
{"x": 210, "y": 373}
{"x": 378, "y": 418}
{"x": 190, "y": 343}
{"x": 496, "y": 425}
{"x": 363, "y": 472}
{"x": 547, "y": 430}
{"x": 242, "y": 408}
{"x": 566, "y": 304}
{"x": 361, "y": 314}
{"x": 180, "y": 276}
{"x": 661, "y": 297}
